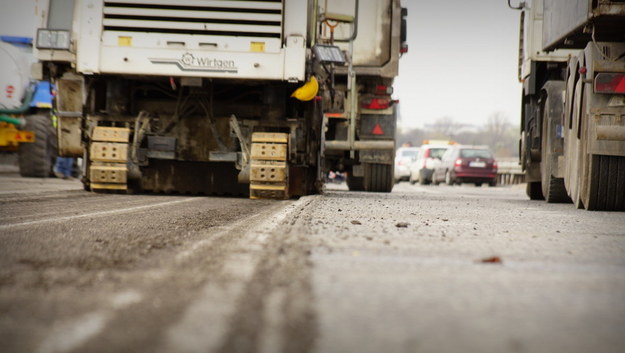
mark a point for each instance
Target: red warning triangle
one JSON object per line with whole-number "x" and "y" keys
{"x": 377, "y": 130}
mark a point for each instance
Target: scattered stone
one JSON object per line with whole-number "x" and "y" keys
{"x": 356, "y": 222}
{"x": 491, "y": 260}
{"x": 402, "y": 225}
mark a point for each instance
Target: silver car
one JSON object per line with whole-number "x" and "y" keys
{"x": 428, "y": 158}
{"x": 404, "y": 157}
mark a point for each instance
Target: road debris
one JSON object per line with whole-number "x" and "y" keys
{"x": 491, "y": 260}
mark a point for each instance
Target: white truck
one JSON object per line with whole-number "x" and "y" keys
{"x": 572, "y": 66}
{"x": 225, "y": 96}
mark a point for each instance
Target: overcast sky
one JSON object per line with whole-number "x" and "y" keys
{"x": 462, "y": 62}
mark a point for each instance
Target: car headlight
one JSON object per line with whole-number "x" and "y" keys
{"x": 52, "y": 39}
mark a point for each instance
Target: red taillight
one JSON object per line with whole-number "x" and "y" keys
{"x": 610, "y": 83}
{"x": 401, "y": 162}
{"x": 376, "y": 103}
{"x": 426, "y": 155}
{"x": 383, "y": 90}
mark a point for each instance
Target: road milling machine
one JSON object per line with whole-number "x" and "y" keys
{"x": 223, "y": 96}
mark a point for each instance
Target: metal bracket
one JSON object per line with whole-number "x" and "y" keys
{"x": 234, "y": 124}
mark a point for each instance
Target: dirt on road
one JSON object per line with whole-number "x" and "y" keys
{"x": 422, "y": 269}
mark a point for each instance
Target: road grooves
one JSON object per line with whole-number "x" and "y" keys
{"x": 284, "y": 271}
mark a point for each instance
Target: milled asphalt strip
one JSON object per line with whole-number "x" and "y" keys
{"x": 97, "y": 214}
{"x": 68, "y": 336}
{"x": 204, "y": 323}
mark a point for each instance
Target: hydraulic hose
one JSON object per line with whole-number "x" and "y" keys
{"x": 15, "y": 121}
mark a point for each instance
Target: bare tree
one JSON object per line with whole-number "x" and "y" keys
{"x": 497, "y": 125}
{"x": 446, "y": 126}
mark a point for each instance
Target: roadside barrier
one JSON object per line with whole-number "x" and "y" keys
{"x": 509, "y": 172}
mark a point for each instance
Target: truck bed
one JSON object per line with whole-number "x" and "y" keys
{"x": 565, "y": 22}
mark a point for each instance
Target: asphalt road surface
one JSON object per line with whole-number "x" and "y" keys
{"x": 422, "y": 269}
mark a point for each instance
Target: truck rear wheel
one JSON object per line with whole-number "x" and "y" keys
{"x": 36, "y": 159}
{"x": 574, "y": 143}
{"x": 534, "y": 191}
{"x": 355, "y": 183}
{"x": 552, "y": 188}
{"x": 606, "y": 189}
{"x": 378, "y": 177}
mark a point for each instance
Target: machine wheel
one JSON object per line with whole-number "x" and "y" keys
{"x": 534, "y": 190}
{"x": 355, "y": 183}
{"x": 36, "y": 159}
{"x": 574, "y": 141}
{"x": 477, "y": 185}
{"x": 492, "y": 183}
{"x": 378, "y": 177}
{"x": 448, "y": 179}
{"x": 552, "y": 188}
{"x": 606, "y": 189}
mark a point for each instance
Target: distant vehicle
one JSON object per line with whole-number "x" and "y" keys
{"x": 404, "y": 157}
{"x": 466, "y": 164}
{"x": 428, "y": 158}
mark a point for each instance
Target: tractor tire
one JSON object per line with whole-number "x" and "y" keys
{"x": 36, "y": 159}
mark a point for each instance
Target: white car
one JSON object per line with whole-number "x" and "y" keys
{"x": 404, "y": 157}
{"x": 428, "y": 158}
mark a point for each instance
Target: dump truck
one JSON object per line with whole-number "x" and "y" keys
{"x": 26, "y": 122}
{"x": 224, "y": 97}
{"x": 572, "y": 67}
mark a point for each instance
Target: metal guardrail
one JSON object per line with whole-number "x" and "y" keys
{"x": 509, "y": 172}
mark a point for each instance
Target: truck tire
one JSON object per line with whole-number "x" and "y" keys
{"x": 552, "y": 188}
{"x": 606, "y": 189}
{"x": 534, "y": 191}
{"x": 574, "y": 141}
{"x": 378, "y": 177}
{"x": 355, "y": 183}
{"x": 36, "y": 159}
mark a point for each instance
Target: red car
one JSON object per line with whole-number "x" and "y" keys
{"x": 466, "y": 164}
